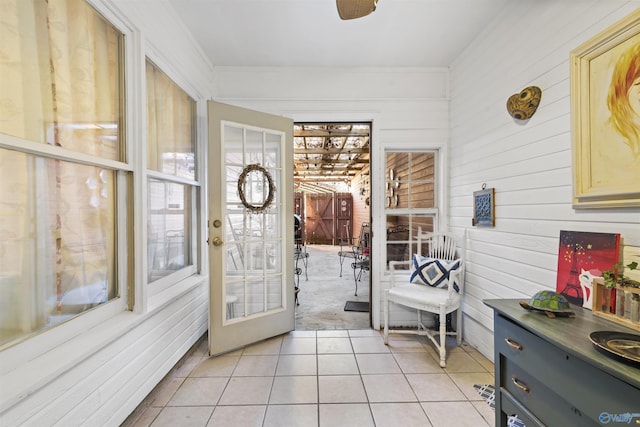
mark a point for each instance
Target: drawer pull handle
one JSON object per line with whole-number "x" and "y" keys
{"x": 513, "y": 344}
{"x": 521, "y": 385}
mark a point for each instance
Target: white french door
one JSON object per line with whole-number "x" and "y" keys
{"x": 250, "y": 221}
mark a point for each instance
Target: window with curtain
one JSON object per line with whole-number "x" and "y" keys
{"x": 171, "y": 186}
{"x": 410, "y": 200}
{"x": 61, "y": 161}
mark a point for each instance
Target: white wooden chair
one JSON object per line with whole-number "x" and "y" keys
{"x": 426, "y": 298}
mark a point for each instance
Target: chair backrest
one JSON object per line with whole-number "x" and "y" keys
{"x": 364, "y": 239}
{"x": 442, "y": 245}
{"x": 437, "y": 245}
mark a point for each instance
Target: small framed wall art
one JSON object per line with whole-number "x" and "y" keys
{"x": 484, "y": 214}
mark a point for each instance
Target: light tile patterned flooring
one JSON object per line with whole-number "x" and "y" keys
{"x": 346, "y": 378}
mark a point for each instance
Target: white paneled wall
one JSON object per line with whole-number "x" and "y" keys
{"x": 529, "y": 163}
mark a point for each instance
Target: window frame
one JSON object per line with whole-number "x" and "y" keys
{"x": 437, "y": 212}
{"x": 49, "y": 339}
{"x": 154, "y": 289}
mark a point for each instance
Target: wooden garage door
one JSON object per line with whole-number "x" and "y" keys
{"x": 344, "y": 216}
{"x": 319, "y": 223}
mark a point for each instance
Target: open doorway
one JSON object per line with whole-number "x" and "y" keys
{"x": 332, "y": 205}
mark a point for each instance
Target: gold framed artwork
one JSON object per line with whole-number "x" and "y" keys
{"x": 605, "y": 112}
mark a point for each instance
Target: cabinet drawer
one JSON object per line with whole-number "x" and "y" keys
{"x": 586, "y": 390}
{"x": 511, "y": 406}
{"x": 551, "y": 408}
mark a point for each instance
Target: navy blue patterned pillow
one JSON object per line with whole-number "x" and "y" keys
{"x": 433, "y": 272}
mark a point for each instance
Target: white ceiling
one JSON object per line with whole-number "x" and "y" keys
{"x": 309, "y": 33}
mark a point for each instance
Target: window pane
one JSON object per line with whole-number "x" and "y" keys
{"x": 410, "y": 180}
{"x": 397, "y": 240}
{"x": 57, "y": 241}
{"x": 170, "y": 126}
{"x": 410, "y": 184}
{"x": 169, "y": 234}
{"x": 61, "y": 77}
{"x": 421, "y": 195}
{"x": 401, "y": 235}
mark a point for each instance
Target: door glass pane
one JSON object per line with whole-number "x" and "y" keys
{"x": 255, "y": 295}
{"x": 253, "y": 263}
{"x": 272, "y": 229}
{"x": 272, "y": 158}
{"x": 254, "y": 147}
{"x": 274, "y": 292}
{"x": 233, "y": 137}
{"x": 234, "y": 299}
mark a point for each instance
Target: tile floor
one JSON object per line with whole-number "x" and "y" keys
{"x": 323, "y": 378}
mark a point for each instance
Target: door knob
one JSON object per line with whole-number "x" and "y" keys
{"x": 217, "y": 241}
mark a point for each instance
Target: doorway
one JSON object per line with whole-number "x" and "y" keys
{"x": 332, "y": 202}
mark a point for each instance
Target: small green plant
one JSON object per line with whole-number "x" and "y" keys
{"x": 615, "y": 275}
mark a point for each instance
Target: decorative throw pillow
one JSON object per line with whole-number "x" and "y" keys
{"x": 433, "y": 272}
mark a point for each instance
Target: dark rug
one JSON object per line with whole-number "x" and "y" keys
{"x": 488, "y": 393}
{"x": 361, "y": 306}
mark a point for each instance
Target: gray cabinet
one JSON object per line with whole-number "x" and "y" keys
{"x": 548, "y": 372}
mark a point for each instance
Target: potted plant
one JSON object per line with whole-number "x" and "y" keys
{"x": 609, "y": 277}
{"x": 614, "y": 301}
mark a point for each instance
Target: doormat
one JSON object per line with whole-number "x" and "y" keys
{"x": 357, "y": 306}
{"x": 488, "y": 393}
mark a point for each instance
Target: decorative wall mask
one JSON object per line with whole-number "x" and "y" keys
{"x": 522, "y": 106}
{"x": 353, "y": 9}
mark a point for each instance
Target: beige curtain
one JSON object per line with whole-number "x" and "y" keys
{"x": 59, "y": 85}
{"x": 170, "y": 117}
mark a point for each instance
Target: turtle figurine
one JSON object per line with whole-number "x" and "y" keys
{"x": 550, "y": 303}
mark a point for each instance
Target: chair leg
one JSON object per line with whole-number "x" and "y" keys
{"x": 443, "y": 337}
{"x": 355, "y": 277}
{"x": 386, "y": 317}
{"x": 459, "y": 327}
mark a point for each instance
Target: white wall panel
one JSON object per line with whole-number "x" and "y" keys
{"x": 330, "y": 83}
{"x": 528, "y": 163}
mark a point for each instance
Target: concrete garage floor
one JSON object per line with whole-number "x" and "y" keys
{"x": 322, "y": 297}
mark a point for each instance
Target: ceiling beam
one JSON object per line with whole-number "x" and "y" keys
{"x": 331, "y": 161}
{"x": 319, "y": 178}
{"x": 330, "y": 151}
{"x": 313, "y": 188}
{"x": 322, "y": 133}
